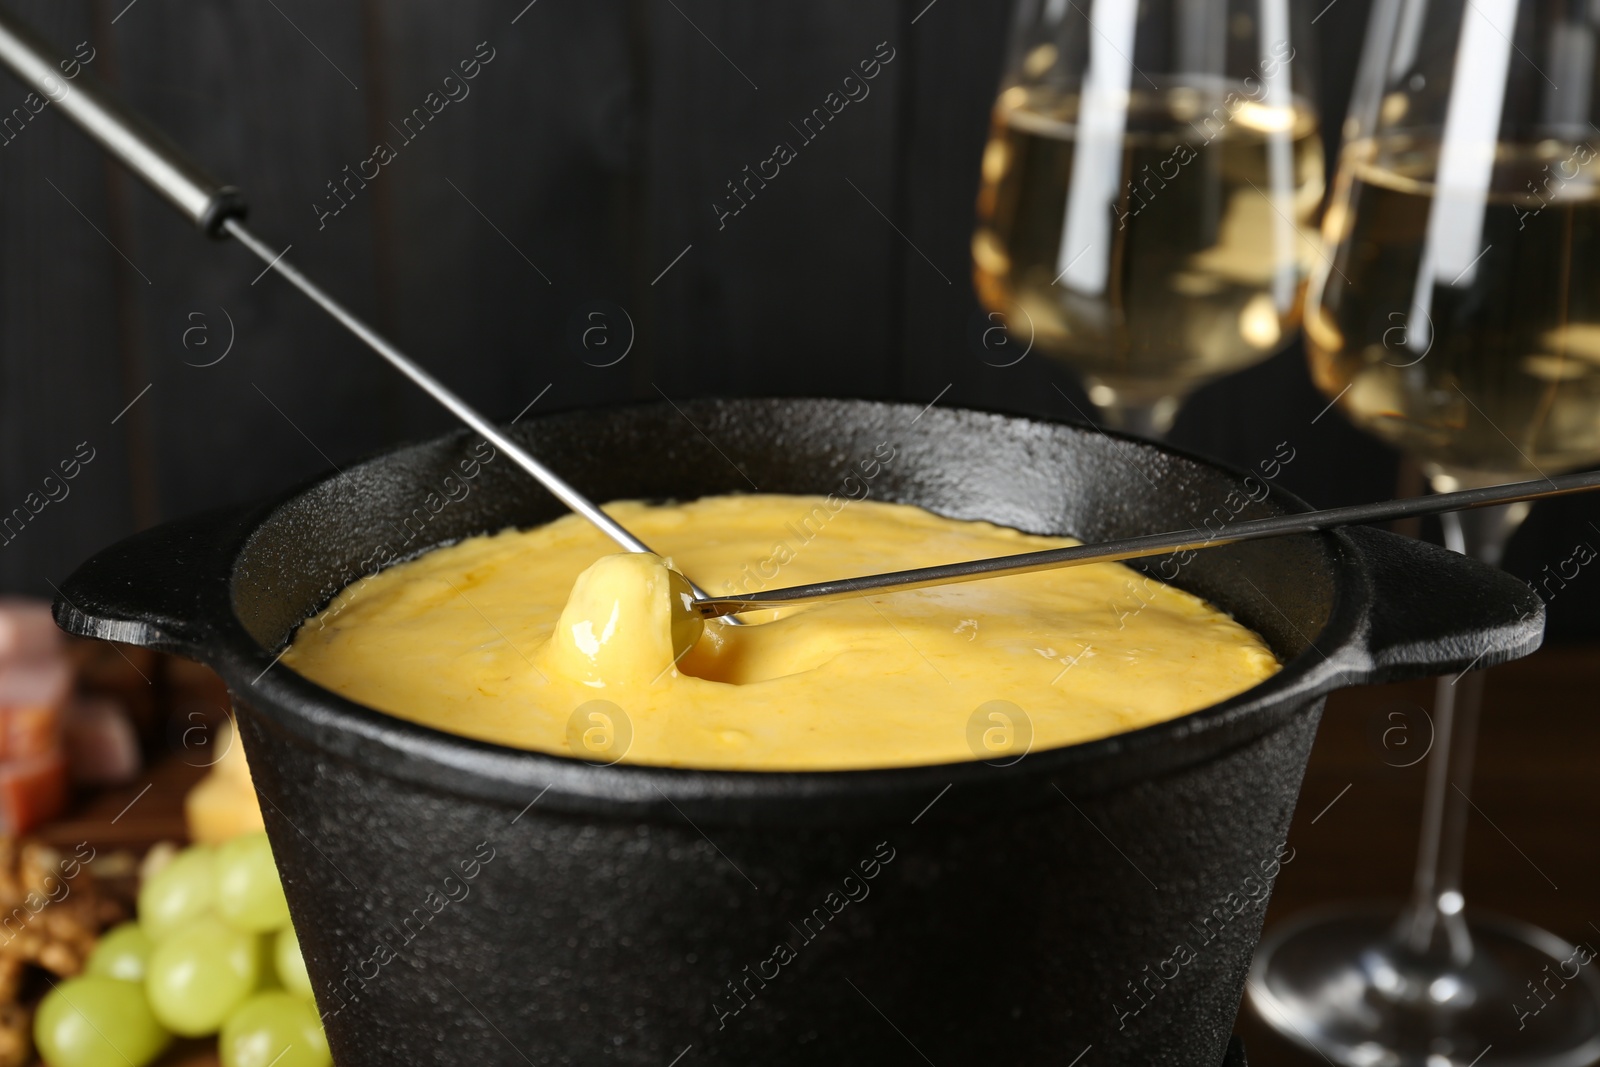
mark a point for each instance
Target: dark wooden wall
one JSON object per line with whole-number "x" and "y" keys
{"x": 585, "y": 161}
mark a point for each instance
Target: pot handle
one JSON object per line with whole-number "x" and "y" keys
{"x": 157, "y": 588}
{"x": 1433, "y": 611}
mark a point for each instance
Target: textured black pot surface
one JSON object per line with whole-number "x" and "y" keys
{"x": 463, "y": 903}
{"x": 963, "y": 936}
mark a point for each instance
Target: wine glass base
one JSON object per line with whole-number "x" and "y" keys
{"x": 1336, "y": 981}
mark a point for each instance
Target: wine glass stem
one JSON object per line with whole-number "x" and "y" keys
{"x": 1432, "y": 923}
{"x": 1140, "y": 417}
{"x": 1436, "y": 899}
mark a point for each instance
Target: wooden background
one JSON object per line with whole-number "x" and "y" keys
{"x": 585, "y": 161}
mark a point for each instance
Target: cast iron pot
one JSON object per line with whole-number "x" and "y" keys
{"x": 464, "y": 903}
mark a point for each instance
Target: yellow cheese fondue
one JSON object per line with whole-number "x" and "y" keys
{"x": 481, "y": 638}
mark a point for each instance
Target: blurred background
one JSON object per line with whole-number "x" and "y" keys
{"x": 569, "y": 204}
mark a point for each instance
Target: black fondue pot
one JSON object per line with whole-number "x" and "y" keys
{"x": 463, "y": 903}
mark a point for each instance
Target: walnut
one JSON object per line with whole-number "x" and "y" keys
{"x": 51, "y": 912}
{"x": 9, "y": 888}
{"x": 37, "y": 868}
{"x": 16, "y": 1035}
{"x": 12, "y": 971}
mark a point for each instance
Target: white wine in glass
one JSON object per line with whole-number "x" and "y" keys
{"x": 1149, "y": 190}
{"x": 1457, "y": 318}
{"x": 1498, "y": 370}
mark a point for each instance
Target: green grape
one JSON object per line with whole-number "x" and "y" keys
{"x": 181, "y": 891}
{"x": 122, "y": 952}
{"x": 249, "y": 894}
{"x": 198, "y": 975}
{"x": 292, "y": 965}
{"x": 96, "y": 1021}
{"x": 274, "y": 1030}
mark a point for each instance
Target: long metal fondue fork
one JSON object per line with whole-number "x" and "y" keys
{"x": 218, "y": 209}
{"x": 1150, "y": 544}
{"x": 434, "y": 388}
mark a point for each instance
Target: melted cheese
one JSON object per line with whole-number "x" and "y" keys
{"x": 482, "y": 639}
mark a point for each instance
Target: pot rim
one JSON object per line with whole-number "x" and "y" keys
{"x": 458, "y": 764}
{"x": 1398, "y": 608}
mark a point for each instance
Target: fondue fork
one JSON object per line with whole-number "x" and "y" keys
{"x": 217, "y": 209}
{"x": 1149, "y": 545}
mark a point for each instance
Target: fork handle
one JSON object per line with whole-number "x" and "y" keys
{"x": 98, "y": 112}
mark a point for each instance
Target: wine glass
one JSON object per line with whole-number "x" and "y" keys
{"x": 1458, "y": 318}
{"x": 1148, "y": 190}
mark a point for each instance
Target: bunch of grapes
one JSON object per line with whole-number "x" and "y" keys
{"x": 212, "y": 951}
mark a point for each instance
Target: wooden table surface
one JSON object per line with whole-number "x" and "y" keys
{"x": 1354, "y": 835}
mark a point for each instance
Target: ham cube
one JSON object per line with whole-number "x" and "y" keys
{"x": 32, "y": 791}
{"x": 28, "y": 732}
{"x": 26, "y": 630}
{"x": 102, "y": 747}
{"x": 32, "y": 695}
{"x": 43, "y": 683}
